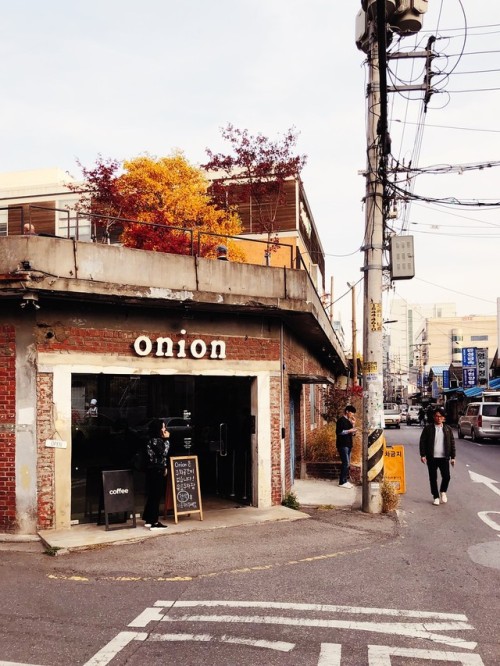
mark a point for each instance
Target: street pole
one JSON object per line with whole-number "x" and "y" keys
{"x": 373, "y": 389}
{"x": 354, "y": 335}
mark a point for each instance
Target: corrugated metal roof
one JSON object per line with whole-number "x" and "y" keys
{"x": 477, "y": 391}
{"x": 439, "y": 369}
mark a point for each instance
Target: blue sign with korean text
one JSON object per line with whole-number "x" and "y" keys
{"x": 469, "y": 377}
{"x": 469, "y": 357}
{"x": 446, "y": 379}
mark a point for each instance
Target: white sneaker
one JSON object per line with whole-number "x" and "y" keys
{"x": 147, "y": 525}
{"x": 346, "y": 485}
{"x": 436, "y": 501}
{"x": 444, "y": 498}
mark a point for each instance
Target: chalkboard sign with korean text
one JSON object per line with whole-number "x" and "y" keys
{"x": 185, "y": 479}
{"x": 118, "y": 495}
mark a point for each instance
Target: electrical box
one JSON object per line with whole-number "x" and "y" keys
{"x": 402, "y": 258}
{"x": 361, "y": 31}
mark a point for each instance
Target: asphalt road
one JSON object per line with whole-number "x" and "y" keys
{"x": 341, "y": 589}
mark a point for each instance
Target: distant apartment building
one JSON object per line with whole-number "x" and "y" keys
{"x": 446, "y": 337}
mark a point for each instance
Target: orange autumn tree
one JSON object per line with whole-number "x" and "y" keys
{"x": 168, "y": 196}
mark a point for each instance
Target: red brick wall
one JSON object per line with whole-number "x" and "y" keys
{"x": 275, "y": 389}
{"x": 7, "y": 428}
{"x": 100, "y": 341}
{"x": 45, "y": 430}
{"x": 299, "y": 361}
{"x": 110, "y": 341}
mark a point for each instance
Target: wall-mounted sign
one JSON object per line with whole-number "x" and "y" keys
{"x": 469, "y": 357}
{"x": 469, "y": 377}
{"x": 56, "y": 444}
{"x": 482, "y": 366}
{"x": 166, "y": 346}
{"x": 446, "y": 379}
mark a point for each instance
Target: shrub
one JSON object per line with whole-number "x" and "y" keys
{"x": 390, "y": 496}
{"x": 320, "y": 445}
{"x": 290, "y": 500}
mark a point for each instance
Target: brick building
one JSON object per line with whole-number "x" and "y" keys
{"x": 234, "y": 352}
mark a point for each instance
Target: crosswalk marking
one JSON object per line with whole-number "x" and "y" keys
{"x": 397, "y": 628}
{"x": 425, "y": 625}
{"x": 322, "y": 608}
{"x": 115, "y": 645}
{"x": 281, "y": 646}
{"x": 330, "y": 654}
{"x": 380, "y": 655}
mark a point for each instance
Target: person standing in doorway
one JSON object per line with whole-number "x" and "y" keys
{"x": 157, "y": 448}
{"x": 437, "y": 451}
{"x": 92, "y": 411}
{"x": 345, "y": 431}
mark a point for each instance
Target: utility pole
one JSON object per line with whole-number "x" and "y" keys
{"x": 354, "y": 335}
{"x": 372, "y": 28}
{"x": 373, "y": 388}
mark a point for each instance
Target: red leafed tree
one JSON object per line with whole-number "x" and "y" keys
{"x": 336, "y": 399}
{"x": 255, "y": 170}
{"x": 168, "y": 198}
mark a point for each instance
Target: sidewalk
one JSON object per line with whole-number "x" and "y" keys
{"x": 309, "y": 492}
{"x": 318, "y": 492}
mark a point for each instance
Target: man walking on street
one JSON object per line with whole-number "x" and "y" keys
{"x": 437, "y": 450}
{"x": 345, "y": 430}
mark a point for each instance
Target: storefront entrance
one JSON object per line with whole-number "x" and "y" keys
{"x": 209, "y": 417}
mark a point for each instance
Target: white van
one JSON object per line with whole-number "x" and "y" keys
{"x": 481, "y": 419}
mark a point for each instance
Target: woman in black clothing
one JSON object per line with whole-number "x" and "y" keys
{"x": 156, "y": 471}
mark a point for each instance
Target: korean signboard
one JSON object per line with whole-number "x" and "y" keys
{"x": 469, "y": 357}
{"x": 469, "y": 377}
{"x": 482, "y": 366}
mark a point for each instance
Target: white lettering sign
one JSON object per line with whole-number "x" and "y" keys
{"x": 144, "y": 346}
{"x": 56, "y": 443}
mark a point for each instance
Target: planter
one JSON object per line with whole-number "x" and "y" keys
{"x": 327, "y": 470}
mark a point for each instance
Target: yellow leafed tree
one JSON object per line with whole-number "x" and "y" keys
{"x": 170, "y": 191}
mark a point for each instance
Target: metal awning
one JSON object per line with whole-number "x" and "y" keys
{"x": 312, "y": 379}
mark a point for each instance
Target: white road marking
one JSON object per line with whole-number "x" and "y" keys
{"x": 489, "y": 483}
{"x": 323, "y": 608}
{"x": 491, "y": 523}
{"x": 281, "y": 646}
{"x": 380, "y": 655}
{"x": 330, "y": 654}
{"x": 148, "y": 615}
{"x": 115, "y": 645}
{"x": 398, "y": 628}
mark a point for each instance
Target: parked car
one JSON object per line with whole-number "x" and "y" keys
{"x": 481, "y": 420}
{"x": 412, "y": 415}
{"x": 392, "y": 415}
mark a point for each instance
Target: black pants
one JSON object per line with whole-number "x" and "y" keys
{"x": 155, "y": 488}
{"x": 443, "y": 465}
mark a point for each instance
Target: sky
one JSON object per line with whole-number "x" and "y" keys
{"x": 121, "y": 78}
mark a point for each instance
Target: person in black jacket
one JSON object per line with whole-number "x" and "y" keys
{"x": 345, "y": 431}
{"x": 157, "y": 448}
{"x": 437, "y": 450}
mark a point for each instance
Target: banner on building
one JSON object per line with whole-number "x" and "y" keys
{"x": 469, "y": 377}
{"x": 482, "y": 367}
{"x": 469, "y": 357}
